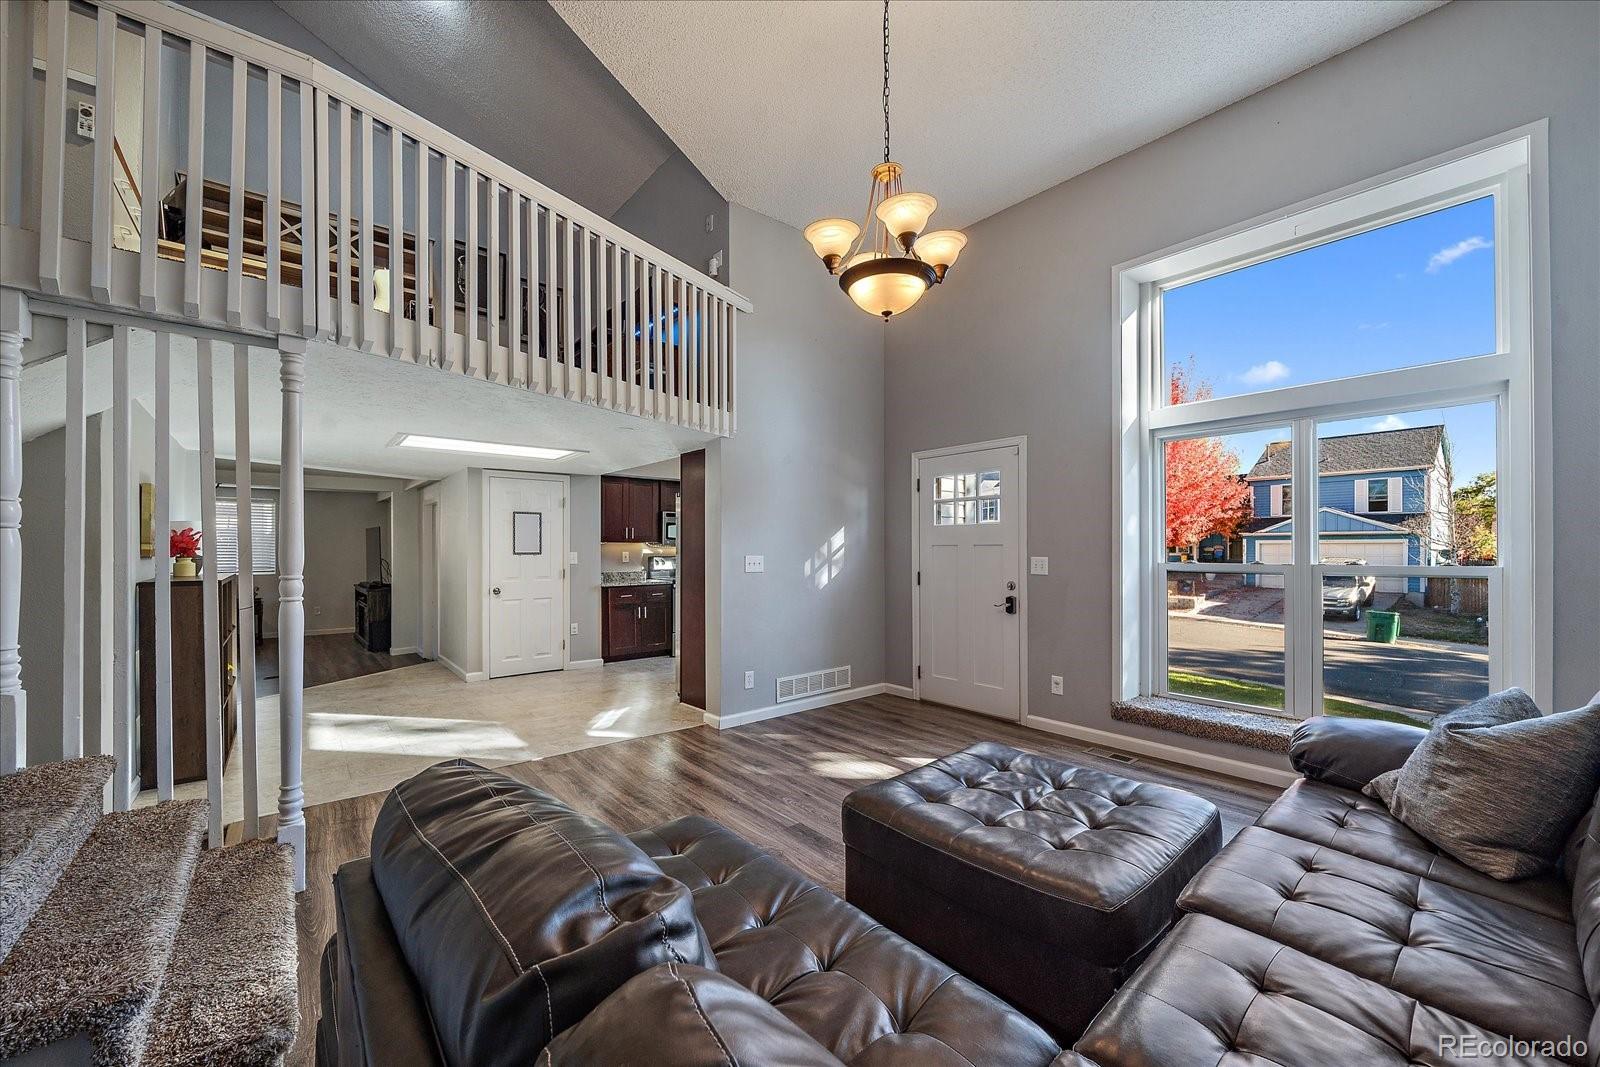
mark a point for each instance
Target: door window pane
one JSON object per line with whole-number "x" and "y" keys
{"x": 989, "y": 509}
{"x": 989, "y": 483}
{"x": 1225, "y": 639}
{"x": 1223, "y": 495}
{"x": 1413, "y": 292}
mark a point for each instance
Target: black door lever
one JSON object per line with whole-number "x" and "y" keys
{"x": 1010, "y": 605}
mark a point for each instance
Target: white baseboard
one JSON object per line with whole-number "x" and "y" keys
{"x": 409, "y": 650}
{"x": 331, "y": 630}
{"x": 790, "y": 707}
{"x": 900, "y": 690}
{"x": 585, "y": 664}
{"x": 1234, "y": 768}
{"x": 465, "y": 676}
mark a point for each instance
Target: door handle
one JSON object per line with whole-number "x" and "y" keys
{"x": 1010, "y": 604}
{"x": 495, "y": 590}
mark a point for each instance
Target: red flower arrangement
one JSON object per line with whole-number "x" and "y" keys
{"x": 184, "y": 544}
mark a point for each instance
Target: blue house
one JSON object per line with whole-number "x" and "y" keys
{"x": 1384, "y": 497}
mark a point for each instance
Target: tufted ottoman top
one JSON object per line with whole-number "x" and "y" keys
{"x": 1088, "y": 860}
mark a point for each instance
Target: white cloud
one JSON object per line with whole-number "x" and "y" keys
{"x": 1372, "y": 326}
{"x": 1446, "y": 256}
{"x": 1390, "y": 422}
{"x": 1265, "y": 373}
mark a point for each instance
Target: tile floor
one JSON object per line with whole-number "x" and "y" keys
{"x": 364, "y": 735}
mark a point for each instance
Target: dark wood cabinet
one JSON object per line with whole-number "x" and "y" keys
{"x": 372, "y": 616}
{"x": 636, "y": 620}
{"x": 188, "y": 675}
{"x": 630, "y": 508}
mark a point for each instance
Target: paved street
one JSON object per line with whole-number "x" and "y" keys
{"x": 1428, "y": 676}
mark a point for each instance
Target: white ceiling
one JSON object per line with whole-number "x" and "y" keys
{"x": 780, "y": 104}
{"x": 355, "y": 404}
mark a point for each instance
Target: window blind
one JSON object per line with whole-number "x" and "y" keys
{"x": 224, "y": 546}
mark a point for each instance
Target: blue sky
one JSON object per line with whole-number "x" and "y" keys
{"x": 1417, "y": 292}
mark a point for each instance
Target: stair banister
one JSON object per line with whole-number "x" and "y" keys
{"x": 15, "y": 327}
{"x": 291, "y": 606}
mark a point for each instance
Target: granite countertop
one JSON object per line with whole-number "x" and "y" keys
{"x": 614, "y": 579}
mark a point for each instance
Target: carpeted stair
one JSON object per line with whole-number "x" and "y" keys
{"x": 130, "y": 945}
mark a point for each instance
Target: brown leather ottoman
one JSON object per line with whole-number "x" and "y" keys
{"x": 1045, "y": 882}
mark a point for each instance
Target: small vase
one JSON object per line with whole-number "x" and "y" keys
{"x": 183, "y": 567}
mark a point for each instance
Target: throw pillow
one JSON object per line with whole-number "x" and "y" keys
{"x": 1510, "y": 705}
{"x": 1500, "y": 796}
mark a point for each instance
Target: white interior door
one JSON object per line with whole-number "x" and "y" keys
{"x": 969, "y": 534}
{"x": 526, "y": 571}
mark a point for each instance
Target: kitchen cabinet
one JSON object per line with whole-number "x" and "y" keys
{"x": 190, "y": 706}
{"x": 630, "y": 508}
{"x": 636, "y": 620}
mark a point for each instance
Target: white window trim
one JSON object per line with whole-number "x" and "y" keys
{"x": 1516, "y": 377}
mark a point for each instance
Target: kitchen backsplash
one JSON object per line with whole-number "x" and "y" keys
{"x": 611, "y": 553}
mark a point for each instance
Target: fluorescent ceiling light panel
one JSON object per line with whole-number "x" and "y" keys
{"x": 479, "y": 448}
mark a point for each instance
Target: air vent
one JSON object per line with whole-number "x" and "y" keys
{"x": 1115, "y": 757}
{"x": 796, "y": 686}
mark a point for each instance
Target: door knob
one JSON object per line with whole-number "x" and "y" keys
{"x": 496, "y": 591}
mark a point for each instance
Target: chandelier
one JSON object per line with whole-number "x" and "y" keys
{"x": 887, "y": 263}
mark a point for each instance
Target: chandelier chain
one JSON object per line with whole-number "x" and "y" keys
{"x": 886, "y": 81}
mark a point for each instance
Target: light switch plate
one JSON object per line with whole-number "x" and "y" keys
{"x": 1038, "y": 564}
{"x": 755, "y": 564}
{"x": 574, "y": 630}
{"x": 572, "y": 558}
{"x": 1057, "y": 686}
{"x": 749, "y": 679}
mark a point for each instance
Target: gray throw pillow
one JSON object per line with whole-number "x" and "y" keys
{"x": 1496, "y": 787}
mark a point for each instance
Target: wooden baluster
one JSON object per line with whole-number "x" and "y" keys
{"x": 347, "y": 176}
{"x": 630, "y": 313}
{"x": 702, "y": 352}
{"x": 366, "y": 287}
{"x": 291, "y": 606}
{"x": 492, "y": 367}
{"x": 15, "y": 328}
{"x": 546, "y": 377}
{"x": 209, "y": 608}
{"x": 149, "y": 167}
{"x": 272, "y": 223}
{"x": 567, "y": 307}
{"x": 244, "y": 586}
{"x": 658, "y": 375}
{"x": 610, "y": 331}
{"x": 161, "y": 528}
{"x": 313, "y": 212}
{"x": 516, "y": 367}
{"x": 447, "y": 266}
{"x": 470, "y": 365}
{"x": 55, "y": 146}
{"x": 194, "y": 188}
{"x": 733, "y": 364}
{"x": 425, "y": 334}
{"x": 586, "y": 322}
{"x": 123, "y": 696}
{"x": 398, "y": 343}
{"x": 240, "y": 81}
{"x": 678, "y": 307}
{"x": 72, "y": 545}
{"x": 105, "y": 140}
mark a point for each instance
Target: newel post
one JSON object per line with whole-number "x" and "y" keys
{"x": 291, "y": 605}
{"x": 15, "y": 328}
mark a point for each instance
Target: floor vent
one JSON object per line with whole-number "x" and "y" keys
{"x": 1115, "y": 757}
{"x": 796, "y": 686}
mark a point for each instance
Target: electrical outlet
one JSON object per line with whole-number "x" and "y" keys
{"x": 316, "y": 609}
{"x": 86, "y": 120}
{"x": 1038, "y": 564}
{"x": 574, "y": 630}
{"x": 716, "y": 265}
{"x": 711, "y": 223}
{"x": 626, "y": 556}
{"x": 749, "y": 679}
{"x": 1057, "y": 686}
{"x": 755, "y": 564}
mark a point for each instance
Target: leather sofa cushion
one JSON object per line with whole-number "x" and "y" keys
{"x": 516, "y": 914}
{"x": 867, "y": 995}
{"x": 1482, "y": 959}
{"x": 1361, "y": 826}
{"x": 683, "y": 1016}
{"x": 1086, "y": 860}
{"x": 1214, "y": 994}
{"x": 1349, "y": 753}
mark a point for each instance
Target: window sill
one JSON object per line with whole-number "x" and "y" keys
{"x": 1269, "y": 733}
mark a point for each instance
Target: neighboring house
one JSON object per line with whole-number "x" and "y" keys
{"x": 1385, "y": 498}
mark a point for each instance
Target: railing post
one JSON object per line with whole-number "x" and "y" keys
{"x": 291, "y": 607}
{"x": 15, "y": 328}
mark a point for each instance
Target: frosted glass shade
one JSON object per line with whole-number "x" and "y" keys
{"x": 940, "y": 248}
{"x": 906, "y": 213}
{"x": 832, "y": 237}
{"x": 889, "y": 292}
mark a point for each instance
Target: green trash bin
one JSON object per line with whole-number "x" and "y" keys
{"x": 1383, "y": 626}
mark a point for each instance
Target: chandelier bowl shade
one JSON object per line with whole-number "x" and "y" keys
{"x": 905, "y": 214}
{"x": 940, "y": 249}
{"x": 832, "y": 238}
{"x": 886, "y": 285}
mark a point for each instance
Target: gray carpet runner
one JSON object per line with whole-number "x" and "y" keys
{"x": 46, "y": 813}
{"x": 126, "y": 944}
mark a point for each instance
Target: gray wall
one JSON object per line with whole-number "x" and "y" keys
{"x": 806, "y": 464}
{"x": 583, "y": 516}
{"x": 1019, "y": 341}
{"x": 405, "y": 569}
{"x": 670, "y": 209}
{"x": 460, "y": 555}
{"x": 336, "y": 554}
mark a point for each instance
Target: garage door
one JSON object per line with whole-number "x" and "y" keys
{"x": 1378, "y": 553}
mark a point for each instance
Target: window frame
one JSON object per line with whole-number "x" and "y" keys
{"x": 1514, "y": 377}
{"x": 228, "y": 503}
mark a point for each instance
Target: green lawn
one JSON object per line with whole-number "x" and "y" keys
{"x": 1271, "y": 696}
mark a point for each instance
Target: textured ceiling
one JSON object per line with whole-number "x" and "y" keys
{"x": 779, "y": 104}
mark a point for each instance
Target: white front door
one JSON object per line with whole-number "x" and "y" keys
{"x": 526, "y": 572}
{"x": 969, "y": 536}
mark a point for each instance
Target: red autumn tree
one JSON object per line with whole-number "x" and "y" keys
{"x": 1205, "y": 494}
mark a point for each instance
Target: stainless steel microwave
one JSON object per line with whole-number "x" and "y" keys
{"x": 669, "y": 527}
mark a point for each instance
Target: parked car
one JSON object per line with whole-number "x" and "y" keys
{"x": 1347, "y": 594}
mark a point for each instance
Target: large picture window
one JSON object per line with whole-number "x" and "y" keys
{"x": 1326, "y": 495}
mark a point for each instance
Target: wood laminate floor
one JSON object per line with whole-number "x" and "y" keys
{"x": 328, "y": 658}
{"x": 779, "y": 783}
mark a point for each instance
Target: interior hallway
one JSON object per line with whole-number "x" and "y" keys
{"x": 365, "y": 735}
